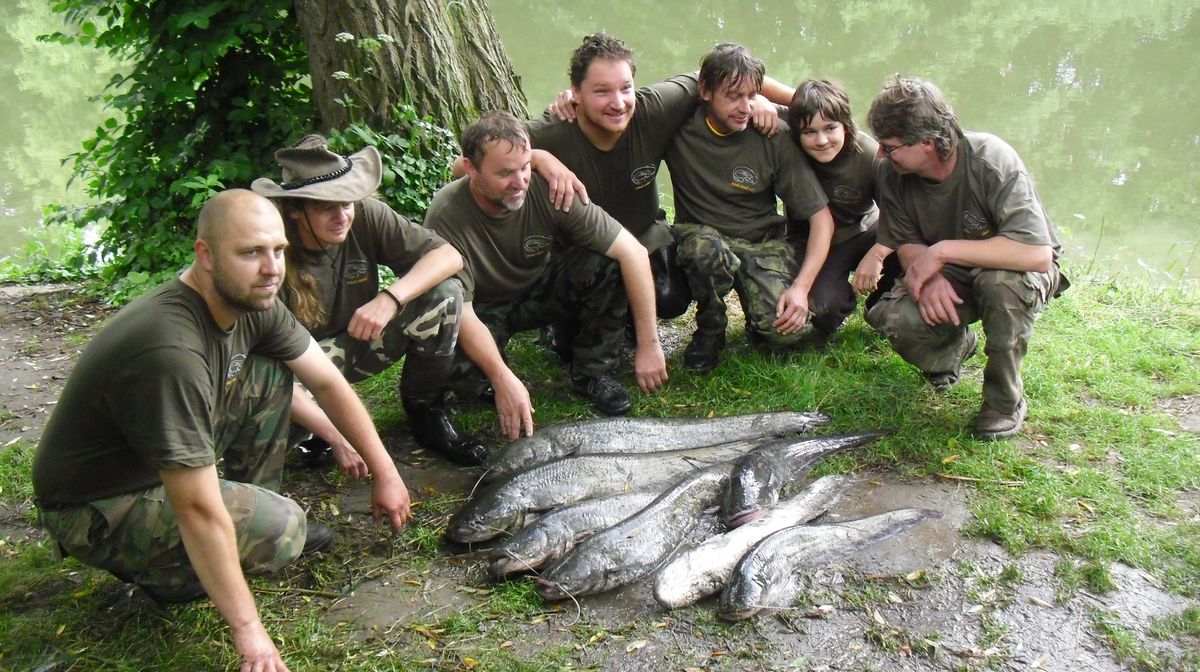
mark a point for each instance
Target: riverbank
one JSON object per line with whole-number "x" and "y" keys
{"x": 1073, "y": 546}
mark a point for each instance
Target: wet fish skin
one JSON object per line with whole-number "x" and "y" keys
{"x": 554, "y": 534}
{"x": 760, "y": 476}
{"x": 643, "y": 435}
{"x": 767, "y": 576}
{"x": 636, "y": 546}
{"x": 705, "y": 569}
{"x": 501, "y": 506}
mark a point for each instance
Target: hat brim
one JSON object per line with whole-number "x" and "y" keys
{"x": 363, "y": 179}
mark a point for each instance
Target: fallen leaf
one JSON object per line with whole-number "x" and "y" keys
{"x": 412, "y": 582}
{"x": 469, "y": 662}
{"x": 948, "y": 460}
{"x": 915, "y": 576}
{"x": 1041, "y": 603}
{"x": 634, "y": 646}
{"x": 878, "y": 618}
{"x": 974, "y": 609}
{"x": 595, "y": 638}
{"x": 507, "y": 644}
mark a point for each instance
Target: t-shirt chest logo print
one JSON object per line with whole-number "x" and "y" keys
{"x": 743, "y": 178}
{"x": 235, "y": 367}
{"x": 356, "y": 271}
{"x": 536, "y": 246}
{"x": 974, "y": 225}
{"x": 643, "y": 176}
{"x": 844, "y": 193}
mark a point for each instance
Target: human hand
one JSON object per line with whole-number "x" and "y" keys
{"x": 764, "y": 116}
{"x": 562, "y": 182}
{"x": 390, "y": 500}
{"x": 257, "y": 650}
{"x": 650, "y": 367}
{"x": 563, "y": 107}
{"x": 938, "y": 302}
{"x": 513, "y": 406}
{"x": 371, "y": 317}
{"x": 921, "y": 270}
{"x": 867, "y": 274}
{"x": 349, "y": 461}
{"x": 791, "y": 311}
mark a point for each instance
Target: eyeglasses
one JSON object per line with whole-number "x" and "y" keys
{"x": 887, "y": 151}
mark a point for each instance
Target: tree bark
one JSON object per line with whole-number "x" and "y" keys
{"x": 443, "y": 57}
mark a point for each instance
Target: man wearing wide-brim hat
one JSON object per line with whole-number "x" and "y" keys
{"x": 338, "y": 238}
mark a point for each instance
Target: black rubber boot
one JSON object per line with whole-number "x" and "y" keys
{"x": 428, "y": 417}
{"x": 433, "y": 430}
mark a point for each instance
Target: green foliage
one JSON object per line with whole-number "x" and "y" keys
{"x": 417, "y": 155}
{"x": 54, "y": 253}
{"x": 213, "y": 88}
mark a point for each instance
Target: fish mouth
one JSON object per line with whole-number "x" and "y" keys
{"x": 466, "y": 535}
{"x": 742, "y": 517}
{"x": 550, "y": 590}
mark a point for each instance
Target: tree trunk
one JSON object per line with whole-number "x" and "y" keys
{"x": 444, "y": 58}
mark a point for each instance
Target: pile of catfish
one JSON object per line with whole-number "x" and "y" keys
{"x": 618, "y": 499}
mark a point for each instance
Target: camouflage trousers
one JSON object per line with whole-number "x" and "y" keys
{"x": 135, "y": 536}
{"x": 426, "y": 328}
{"x": 579, "y": 286}
{"x": 1006, "y": 302}
{"x": 759, "y": 272}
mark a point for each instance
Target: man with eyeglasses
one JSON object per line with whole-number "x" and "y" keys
{"x": 975, "y": 243}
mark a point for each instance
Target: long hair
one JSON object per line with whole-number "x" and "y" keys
{"x": 300, "y": 286}
{"x": 828, "y": 98}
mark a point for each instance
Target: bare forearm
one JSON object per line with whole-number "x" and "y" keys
{"x": 307, "y": 414}
{"x": 211, "y": 543}
{"x": 777, "y": 92}
{"x": 351, "y": 419}
{"x": 997, "y": 252}
{"x": 433, "y": 267}
{"x": 479, "y": 346}
{"x": 820, "y": 235}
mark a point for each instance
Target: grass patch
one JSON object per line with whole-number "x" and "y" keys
{"x": 1098, "y": 476}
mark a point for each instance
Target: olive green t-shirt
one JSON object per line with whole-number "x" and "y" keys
{"x": 850, "y": 182}
{"x": 347, "y": 275}
{"x": 989, "y": 193}
{"x": 730, "y": 182}
{"x": 143, "y": 395}
{"x": 623, "y": 180}
{"x": 504, "y": 256}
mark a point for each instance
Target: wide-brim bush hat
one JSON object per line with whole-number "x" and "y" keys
{"x": 311, "y": 171}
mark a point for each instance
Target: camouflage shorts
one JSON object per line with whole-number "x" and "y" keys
{"x": 759, "y": 272}
{"x": 135, "y": 536}
{"x": 427, "y": 325}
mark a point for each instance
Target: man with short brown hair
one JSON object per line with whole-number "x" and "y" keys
{"x": 528, "y": 264}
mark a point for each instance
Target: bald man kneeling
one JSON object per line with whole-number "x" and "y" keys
{"x": 198, "y": 371}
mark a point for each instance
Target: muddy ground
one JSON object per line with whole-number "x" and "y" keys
{"x": 927, "y": 600}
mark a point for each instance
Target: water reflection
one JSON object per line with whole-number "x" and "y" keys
{"x": 44, "y": 115}
{"x": 1099, "y": 100}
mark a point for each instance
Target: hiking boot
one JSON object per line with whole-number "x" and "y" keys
{"x": 703, "y": 353}
{"x": 183, "y": 595}
{"x": 992, "y": 424}
{"x": 316, "y": 453}
{"x": 433, "y": 430}
{"x": 606, "y": 394}
{"x": 944, "y": 380}
{"x": 317, "y": 538}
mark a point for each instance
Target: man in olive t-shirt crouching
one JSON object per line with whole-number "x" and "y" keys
{"x": 518, "y": 276}
{"x": 197, "y": 371}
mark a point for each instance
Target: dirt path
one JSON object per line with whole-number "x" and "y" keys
{"x": 930, "y": 600}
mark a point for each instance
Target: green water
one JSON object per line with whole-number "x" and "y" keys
{"x": 1100, "y": 99}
